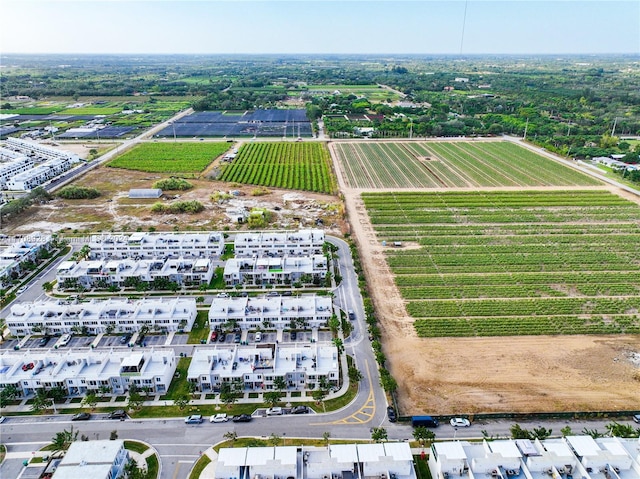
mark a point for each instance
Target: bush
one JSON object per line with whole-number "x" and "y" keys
{"x": 78, "y": 193}
{"x": 172, "y": 184}
{"x": 190, "y": 207}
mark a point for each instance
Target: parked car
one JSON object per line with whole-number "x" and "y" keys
{"x": 222, "y": 295}
{"x": 459, "y": 422}
{"x": 64, "y": 340}
{"x": 258, "y": 337}
{"x": 391, "y": 414}
{"x": 21, "y": 290}
{"x": 214, "y": 336}
{"x": 237, "y": 337}
{"x": 2, "y": 419}
{"x": 222, "y": 337}
{"x": 193, "y": 419}
{"x": 81, "y": 416}
{"x": 117, "y": 414}
{"x": 299, "y": 410}
{"x": 293, "y": 335}
{"x": 272, "y": 294}
{"x": 140, "y": 340}
{"x": 125, "y": 339}
{"x": 636, "y": 418}
{"x": 242, "y": 418}
{"x": 219, "y": 418}
{"x": 274, "y": 411}
{"x": 43, "y": 341}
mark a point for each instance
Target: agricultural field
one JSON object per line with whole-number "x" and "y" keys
{"x": 297, "y": 166}
{"x": 175, "y": 158}
{"x": 513, "y": 263}
{"x": 450, "y": 164}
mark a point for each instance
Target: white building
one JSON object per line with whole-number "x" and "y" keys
{"x": 126, "y": 272}
{"x": 13, "y": 167}
{"x": 100, "y": 315}
{"x": 13, "y": 257}
{"x": 340, "y": 461}
{"x": 256, "y": 367}
{"x": 78, "y": 372}
{"x": 275, "y": 270}
{"x": 32, "y": 148}
{"x": 157, "y": 245}
{"x": 275, "y": 312}
{"x": 93, "y": 459}
{"x": 38, "y": 175}
{"x": 285, "y": 243}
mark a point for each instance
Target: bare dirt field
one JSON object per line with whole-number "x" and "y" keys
{"x": 114, "y": 211}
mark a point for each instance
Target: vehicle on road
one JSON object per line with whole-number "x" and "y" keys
{"x": 425, "y": 421}
{"x": 2, "y": 419}
{"x": 81, "y": 416}
{"x": 242, "y": 418}
{"x": 299, "y": 410}
{"x": 351, "y": 314}
{"x": 219, "y": 418}
{"x": 391, "y": 414}
{"x": 275, "y": 411}
{"x": 117, "y": 414}
{"x": 193, "y": 419}
{"x": 459, "y": 422}
{"x": 636, "y": 418}
{"x": 21, "y": 289}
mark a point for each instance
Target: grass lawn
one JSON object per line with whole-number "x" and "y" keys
{"x": 135, "y": 446}
{"x": 422, "y": 467}
{"x": 199, "y": 467}
{"x": 152, "y": 467}
{"x": 179, "y": 384}
{"x": 205, "y": 410}
{"x": 199, "y": 331}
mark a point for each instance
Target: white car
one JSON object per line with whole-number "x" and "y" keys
{"x": 459, "y": 422}
{"x": 219, "y": 418}
{"x": 21, "y": 290}
{"x": 275, "y": 411}
{"x": 222, "y": 295}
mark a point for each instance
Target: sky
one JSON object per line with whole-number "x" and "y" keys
{"x": 320, "y": 26}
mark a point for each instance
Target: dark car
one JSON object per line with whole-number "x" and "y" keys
{"x": 125, "y": 339}
{"x": 140, "y": 340}
{"x": 117, "y": 414}
{"x": 237, "y": 337}
{"x": 81, "y": 416}
{"x": 242, "y": 418}
{"x": 43, "y": 341}
{"x": 391, "y": 414}
{"x": 299, "y": 410}
{"x": 293, "y": 335}
{"x": 222, "y": 337}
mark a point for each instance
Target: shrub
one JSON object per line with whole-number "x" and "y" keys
{"x": 78, "y": 193}
{"x": 190, "y": 207}
{"x": 172, "y": 184}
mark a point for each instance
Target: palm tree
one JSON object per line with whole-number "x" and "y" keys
{"x": 63, "y": 440}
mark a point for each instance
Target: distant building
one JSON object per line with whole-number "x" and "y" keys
{"x": 461, "y": 80}
{"x": 145, "y": 193}
{"x": 279, "y": 243}
{"x": 268, "y": 270}
{"x": 14, "y": 256}
{"x": 93, "y": 459}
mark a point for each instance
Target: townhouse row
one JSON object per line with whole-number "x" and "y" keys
{"x": 14, "y": 257}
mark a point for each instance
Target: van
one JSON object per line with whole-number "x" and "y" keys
{"x": 424, "y": 421}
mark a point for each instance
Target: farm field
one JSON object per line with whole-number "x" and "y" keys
{"x": 450, "y": 165}
{"x": 298, "y": 166}
{"x": 175, "y": 158}
{"x": 514, "y": 263}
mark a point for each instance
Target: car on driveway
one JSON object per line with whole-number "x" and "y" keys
{"x": 214, "y": 336}
{"x": 219, "y": 418}
{"x": 237, "y": 337}
{"x": 125, "y": 339}
{"x": 275, "y": 411}
{"x": 299, "y": 410}
{"x": 81, "y": 416}
{"x": 391, "y": 414}
{"x": 242, "y": 418}
{"x": 193, "y": 419}
{"x": 459, "y": 422}
{"x": 117, "y": 414}
{"x": 222, "y": 338}
{"x": 43, "y": 341}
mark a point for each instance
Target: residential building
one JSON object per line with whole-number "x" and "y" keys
{"x": 337, "y": 461}
{"x": 271, "y": 312}
{"x": 38, "y": 175}
{"x": 157, "y": 245}
{"x": 93, "y": 459}
{"x": 275, "y": 270}
{"x": 14, "y": 257}
{"x": 102, "y": 315}
{"x": 13, "y": 167}
{"x": 32, "y": 148}
{"x": 278, "y": 244}
{"x": 302, "y": 367}
{"x": 79, "y": 372}
{"x": 156, "y": 273}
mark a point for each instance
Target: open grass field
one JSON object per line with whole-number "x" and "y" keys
{"x": 514, "y": 263}
{"x": 298, "y": 166}
{"x": 176, "y": 158}
{"x": 450, "y": 164}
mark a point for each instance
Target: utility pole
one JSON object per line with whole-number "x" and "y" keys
{"x": 525, "y": 129}
{"x": 613, "y": 130}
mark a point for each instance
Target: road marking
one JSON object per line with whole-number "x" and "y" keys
{"x": 362, "y": 415}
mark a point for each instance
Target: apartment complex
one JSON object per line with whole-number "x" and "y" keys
{"x": 302, "y": 367}
{"x": 14, "y": 256}
{"x": 337, "y": 461}
{"x": 156, "y": 273}
{"x": 102, "y": 315}
{"x": 93, "y": 459}
{"x": 277, "y": 244}
{"x": 271, "y": 312}
{"x": 157, "y": 245}
{"x": 78, "y": 372}
{"x": 280, "y": 270}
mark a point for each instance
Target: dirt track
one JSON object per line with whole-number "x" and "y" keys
{"x": 467, "y": 375}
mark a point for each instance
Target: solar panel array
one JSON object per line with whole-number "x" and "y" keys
{"x": 259, "y": 123}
